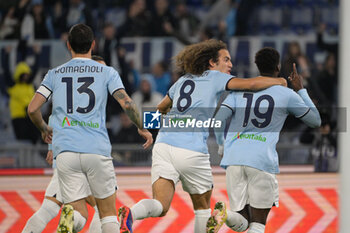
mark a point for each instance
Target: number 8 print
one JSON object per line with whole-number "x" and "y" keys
{"x": 185, "y": 95}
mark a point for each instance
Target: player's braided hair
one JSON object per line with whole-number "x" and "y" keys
{"x": 195, "y": 58}
{"x": 267, "y": 60}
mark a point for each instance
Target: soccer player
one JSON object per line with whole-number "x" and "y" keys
{"x": 250, "y": 156}
{"x": 79, "y": 137}
{"x": 183, "y": 156}
{"x": 53, "y": 202}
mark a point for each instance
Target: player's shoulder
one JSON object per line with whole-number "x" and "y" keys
{"x": 108, "y": 68}
{"x": 279, "y": 89}
{"x": 57, "y": 68}
{"x": 181, "y": 80}
{"x": 215, "y": 73}
{"x": 280, "y": 92}
{"x": 231, "y": 95}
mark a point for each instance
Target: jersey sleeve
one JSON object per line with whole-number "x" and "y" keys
{"x": 230, "y": 102}
{"x": 296, "y": 105}
{"x": 226, "y": 110}
{"x": 220, "y": 81}
{"x": 171, "y": 91}
{"x": 114, "y": 82}
{"x": 302, "y": 107}
{"x": 46, "y": 85}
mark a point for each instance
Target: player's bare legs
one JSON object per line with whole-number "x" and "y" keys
{"x": 201, "y": 206}
{"x": 95, "y": 225}
{"x": 54, "y": 200}
{"x": 108, "y": 214}
{"x": 106, "y": 206}
{"x": 163, "y": 190}
{"x": 80, "y": 206}
{"x": 258, "y": 219}
{"x": 80, "y": 214}
{"x": 91, "y": 201}
{"x": 245, "y": 212}
{"x": 49, "y": 208}
{"x": 201, "y": 201}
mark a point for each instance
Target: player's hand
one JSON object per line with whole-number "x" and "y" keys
{"x": 295, "y": 79}
{"x": 221, "y": 150}
{"x": 49, "y": 157}
{"x": 146, "y": 135}
{"x": 283, "y": 82}
{"x": 46, "y": 134}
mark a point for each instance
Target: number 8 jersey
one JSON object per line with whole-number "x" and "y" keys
{"x": 79, "y": 91}
{"x": 194, "y": 99}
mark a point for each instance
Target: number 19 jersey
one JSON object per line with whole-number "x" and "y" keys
{"x": 194, "y": 98}
{"x": 257, "y": 119}
{"x": 79, "y": 90}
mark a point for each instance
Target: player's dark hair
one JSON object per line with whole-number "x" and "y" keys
{"x": 195, "y": 58}
{"x": 267, "y": 60}
{"x": 80, "y": 38}
{"x": 97, "y": 58}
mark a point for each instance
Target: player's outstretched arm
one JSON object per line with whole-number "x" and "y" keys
{"x": 165, "y": 105}
{"x": 131, "y": 110}
{"x": 311, "y": 117}
{"x": 255, "y": 84}
{"x": 35, "y": 116}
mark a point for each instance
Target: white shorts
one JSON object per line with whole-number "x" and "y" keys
{"x": 191, "y": 167}
{"x": 79, "y": 173}
{"x": 247, "y": 185}
{"x": 53, "y": 190}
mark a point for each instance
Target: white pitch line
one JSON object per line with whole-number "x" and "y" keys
{"x": 11, "y": 215}
{"x": 329, "y": 212}
{"x": 297, "y": 213}
{"x": 29, "y": 199}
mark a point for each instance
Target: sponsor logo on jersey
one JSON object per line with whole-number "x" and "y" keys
{"x": 250, "y": 136}
{"x": 67, "y": 122}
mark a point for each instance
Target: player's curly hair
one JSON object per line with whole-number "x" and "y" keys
{"x": 195, "y": 58}
{"x": 267, "y": 60}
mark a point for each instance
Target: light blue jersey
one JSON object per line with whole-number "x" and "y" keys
{"x": 79, "y": 90}
{"x": 257, "y": 119}
{"x": 194, "y": 97}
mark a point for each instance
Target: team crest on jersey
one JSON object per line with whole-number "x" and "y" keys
{"x": 151, "y": 119}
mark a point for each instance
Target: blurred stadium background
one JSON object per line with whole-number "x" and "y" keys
{"x": 139, "y": 38}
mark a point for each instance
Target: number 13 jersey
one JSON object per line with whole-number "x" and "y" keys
{"x": 194, "y": 99}
{"x": 79, "y": 90}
